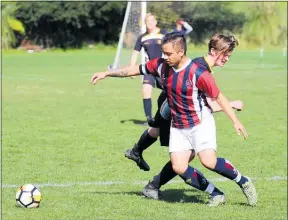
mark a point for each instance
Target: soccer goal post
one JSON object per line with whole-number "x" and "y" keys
{"x": 132, "y": 27}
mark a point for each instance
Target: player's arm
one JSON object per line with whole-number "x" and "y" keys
{"x": 136, "y": 51}
{"x": 236, "y": 104}
{"x": 151, "y": 67}
{"x": 227, "y": 108}
{"x": 122, "y": 72}
{"x": 206, "y": 83}
{"x": 134, "y": 58}
{"x": 188, "y": 27}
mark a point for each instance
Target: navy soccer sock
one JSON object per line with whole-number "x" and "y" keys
{"x": 144, "y": 142}
{"x": 196, "y": 179}
{"x": 147, "y": 103}
{"x": 167, "y": 173}
{"x": 226, "y": 169}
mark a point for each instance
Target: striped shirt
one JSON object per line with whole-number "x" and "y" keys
{"x": 186, "y": 89}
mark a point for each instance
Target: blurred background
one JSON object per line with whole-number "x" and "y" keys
{"x": 80, "y": 24}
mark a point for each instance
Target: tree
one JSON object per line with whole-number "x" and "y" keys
{"x": 70, "y": 24}
{"x": 9, "y": 25}
{"x": 266, "y": 23}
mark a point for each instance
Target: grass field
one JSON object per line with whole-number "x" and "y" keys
{"x": 68, "y": 137}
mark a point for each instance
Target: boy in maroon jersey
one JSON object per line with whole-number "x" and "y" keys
{"x": 187, "y": 84}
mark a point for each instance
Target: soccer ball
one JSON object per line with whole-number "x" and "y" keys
{"x": 28, "y": 196}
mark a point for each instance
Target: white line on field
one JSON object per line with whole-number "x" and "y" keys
{"x": 107, "y": 183}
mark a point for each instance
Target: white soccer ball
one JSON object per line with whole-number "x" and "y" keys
{"x": 28, "y": 196}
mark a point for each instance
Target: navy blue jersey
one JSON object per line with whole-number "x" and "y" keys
{"x": 151, "y": 42}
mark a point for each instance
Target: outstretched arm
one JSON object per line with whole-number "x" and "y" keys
{"x": 122, "y": 72}
{"x": 236, "y": 104}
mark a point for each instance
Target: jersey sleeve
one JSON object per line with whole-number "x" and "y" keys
{"x": 138, "y": 45}
{"x": 207, "y": 84}
{"x": 152, "y": 67}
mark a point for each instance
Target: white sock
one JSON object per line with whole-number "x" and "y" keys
{"x": 238, "y": 178}
{"x": 210, "y": 188}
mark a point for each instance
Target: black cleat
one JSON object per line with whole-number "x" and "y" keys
{"x": 141, "y": 163}
{"x": 150, "y": 191}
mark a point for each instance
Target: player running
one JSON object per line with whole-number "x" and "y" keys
{"x": 187, "y": 84}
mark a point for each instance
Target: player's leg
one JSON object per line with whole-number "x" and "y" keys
{"x": 191, "y": 176}
{"x": 181, "y": 153}
{"x": 152, "y": 189}
{"x": 148, "y": 137}
{"x": 147, "y": 86}
{"x": 181, "y": 141}
{"x": 205, "y": 138}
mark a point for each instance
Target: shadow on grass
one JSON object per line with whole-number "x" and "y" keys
{"x": 135, "y": 121}
{"x": 169, "y": 195}
{"x": 243, "y": 204}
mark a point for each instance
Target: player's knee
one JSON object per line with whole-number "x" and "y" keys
{"x": 209, "y": 163}
{"x": 147, "y": 94}
{"x": 208, "y": 158}
{"x": 153, "y": 132}
{"x": 179, "y": 168}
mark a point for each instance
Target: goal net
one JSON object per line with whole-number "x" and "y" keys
{"x": 132, "y": 26}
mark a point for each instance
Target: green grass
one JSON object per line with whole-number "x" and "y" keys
{"x": 58, "y": 129}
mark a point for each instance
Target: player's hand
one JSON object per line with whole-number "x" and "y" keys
{"x": 241, "y": 130}
{"x": 96, "y": 77}
{"x": 238, "y": 105}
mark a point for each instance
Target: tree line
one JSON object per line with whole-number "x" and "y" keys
{"x": 72, "y": 24}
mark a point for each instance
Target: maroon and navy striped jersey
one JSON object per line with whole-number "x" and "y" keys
{"x": 186, "y": 89}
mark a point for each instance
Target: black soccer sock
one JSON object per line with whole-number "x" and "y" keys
{"x": 167, "y": 173}
{"x": 226, "y": 169}
{"x": 196, "y": 179}
{"x": 144, "y": 142}
{"x": 147, "y": 103}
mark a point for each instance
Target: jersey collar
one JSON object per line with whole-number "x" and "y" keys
{"x": 183, "y": 67}
{"x": 210, "y": 68}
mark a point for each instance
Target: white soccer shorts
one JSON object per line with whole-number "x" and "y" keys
{"x": 199, "y": 137}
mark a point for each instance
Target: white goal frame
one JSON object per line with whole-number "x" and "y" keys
{"x": 122, "y": 34}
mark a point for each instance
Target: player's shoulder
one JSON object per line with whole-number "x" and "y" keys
{"x": 142, "y": 35}
{"x": 201, "y": 63}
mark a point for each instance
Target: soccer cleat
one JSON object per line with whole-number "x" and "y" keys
{"x": 150, "y": 191}
{"x": 217, "y": 200}
{"x": 249, "y": 191}
{"x": 141, "y": 163}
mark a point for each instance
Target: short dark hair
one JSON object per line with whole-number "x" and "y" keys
{"x": 176, "y": 38}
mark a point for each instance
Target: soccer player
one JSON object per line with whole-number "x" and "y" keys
{"x": 187, "y": 84}
{"x": 160, "y": 126}
{"x": 151, "y": 42}
{"x": 183, "y": 27}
